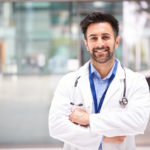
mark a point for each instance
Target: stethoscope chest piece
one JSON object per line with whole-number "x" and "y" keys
{"x": 123, "y": 101}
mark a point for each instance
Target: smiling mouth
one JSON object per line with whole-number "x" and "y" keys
{"x": 101, "y": 51}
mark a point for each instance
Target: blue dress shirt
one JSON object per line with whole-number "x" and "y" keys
{"x": 99, "y": 83}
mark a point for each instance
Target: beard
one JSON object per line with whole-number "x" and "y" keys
{"x": 102, "y": 54}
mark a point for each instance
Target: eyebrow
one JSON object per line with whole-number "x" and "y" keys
{"x": 91, "y": 35}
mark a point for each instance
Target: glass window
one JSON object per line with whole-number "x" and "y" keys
{"x": 40, "y": 37}
{"x": 136, "y": 35}
{"x": 44, "y": 37}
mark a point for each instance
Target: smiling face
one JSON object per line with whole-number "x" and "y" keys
{"x": 101, "y": 42}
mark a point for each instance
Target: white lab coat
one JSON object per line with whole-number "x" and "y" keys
{"x": 113, "y": 120}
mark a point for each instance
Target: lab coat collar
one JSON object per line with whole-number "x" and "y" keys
{"x": 84, "y": 70}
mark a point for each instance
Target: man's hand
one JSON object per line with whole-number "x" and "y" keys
{"x": 80, "y": 117}
{"x": 115, "y": 139}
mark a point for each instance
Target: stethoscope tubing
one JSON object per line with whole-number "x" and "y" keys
{"x": 123, "y": 101}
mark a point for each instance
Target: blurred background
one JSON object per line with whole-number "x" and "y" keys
{"x": 42, "y": 41}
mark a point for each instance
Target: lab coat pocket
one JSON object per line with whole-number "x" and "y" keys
{"x": 77, "y": 100}
{"x": 127, "y": 144}
{"x": 114, "y": 146}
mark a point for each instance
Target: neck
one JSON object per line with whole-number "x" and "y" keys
{"x": 103, "y": 68}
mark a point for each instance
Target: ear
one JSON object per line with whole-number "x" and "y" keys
{"x": 86, "y": 44}
{"x": 117, "y": 41}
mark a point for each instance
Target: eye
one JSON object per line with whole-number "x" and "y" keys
{"x": 94, "y": 38}
{"x": 105, "y": 37}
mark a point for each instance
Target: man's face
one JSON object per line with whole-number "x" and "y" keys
{"x": 101, "y": 42}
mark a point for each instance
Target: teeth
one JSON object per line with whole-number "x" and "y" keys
{"x": 101, "y": 51}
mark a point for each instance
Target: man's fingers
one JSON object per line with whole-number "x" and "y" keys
{"x": 121, "y": 138}
{"x": 116, "y": 139}
{"x": 80, "y": 117}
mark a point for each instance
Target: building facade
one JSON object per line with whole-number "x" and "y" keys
{"x": 45, "y": 37}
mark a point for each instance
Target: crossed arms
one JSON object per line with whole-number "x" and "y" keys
{"x": 81, "y": 117}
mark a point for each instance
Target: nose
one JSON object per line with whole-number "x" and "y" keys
{"x": 100, "y": 42}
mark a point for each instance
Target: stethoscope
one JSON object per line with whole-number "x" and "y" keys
{"x": 124, "y": 101}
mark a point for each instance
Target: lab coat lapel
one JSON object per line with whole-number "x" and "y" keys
{"x": 115, "y": 85}
{"x": 84, "y": 87}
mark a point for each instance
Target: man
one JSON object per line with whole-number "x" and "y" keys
{"x": 102, "y": 105}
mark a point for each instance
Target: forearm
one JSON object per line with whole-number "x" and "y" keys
{"x": 114, "y": 123}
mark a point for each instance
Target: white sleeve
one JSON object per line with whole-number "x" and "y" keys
{"x": 129, "y": 121}
{"x": 62, "y": 128}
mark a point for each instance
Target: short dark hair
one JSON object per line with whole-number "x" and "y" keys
{"x": 97, "y": 17}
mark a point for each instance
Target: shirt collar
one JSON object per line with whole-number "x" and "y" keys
{"x": 96, "y": 73}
